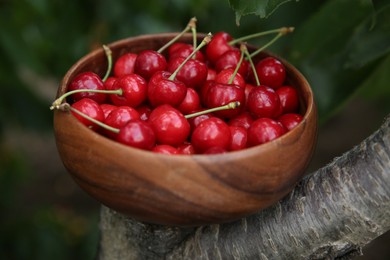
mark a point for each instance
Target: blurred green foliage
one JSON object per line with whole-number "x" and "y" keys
{"x": 341, "y": 46}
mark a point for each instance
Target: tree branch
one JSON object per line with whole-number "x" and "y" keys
{"x": 332, "y": 213}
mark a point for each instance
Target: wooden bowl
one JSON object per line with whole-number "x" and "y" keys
{"x": 182, "y": 190}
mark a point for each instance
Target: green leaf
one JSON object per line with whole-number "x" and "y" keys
{"x": 262, "y": 8}
{"x": 327, "y": 49}
{"x": 370, "y": 40}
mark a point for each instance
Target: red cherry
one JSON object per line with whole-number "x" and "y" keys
{"x": 239, "y": 137}
{"x": 264, "y": 130}
{"x": 90, "y": 108}
{"x": 215, "y": 150}
{"x": 184, "y": 50}
{"x": 211, "y": 74}
{"x": 264, "y": 102}
{"x": 218, "y": 46}
{"x": 149, "y": 62}
{"x": 230, "y": 60}
{"x": 107, "y": 108}
{"x": 162, "y": 90}
{"x": 225, "y": 75}
{"x": 124, "y": 65}
{"x": 88, "y": 80}
{"x": 222, "y": 94}
{"x": 138, "y": 134}
{"x": 243, "y": 119}
{"x": 109, "y": 83}
{"x": 288, "y": 98}
{"x": 195, "y": 121}
{"x": 212, "y": 132}
{"x": 193, "y": 74}
{"x": 144, "y": 112}
{"x": 186, "y": 148}
{"x": 271, "y": 72}
{"x": 290, "y": 120}
{"x": 165, "y": 149}
{"x": 174, "y": 47}
{"x": 204, "y": 90}
{"x": 120, "y": 117}
{"x": 190, "y": 103}
{"x": 134, "y": 89}
{"x": 169, "y": 124}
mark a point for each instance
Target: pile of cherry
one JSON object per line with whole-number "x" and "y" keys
{"x": 186, "y": 99}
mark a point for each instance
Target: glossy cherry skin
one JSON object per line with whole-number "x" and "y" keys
{"x": 186, "y": 148}
{"x": 162, "y": 90}
{"x": 195, "y": 121}
{"x": 225, "y": 75}
{"x": 193, "y": 73}
{"x": 170, "y": 125}
{"x": 134, "y": 89}
{"x": 88, "y": 80}
{"x": 204, "y": 90}
{"x": 288, "y": 98}
{"x": 264, "y": 130}
{"x": 223, "y": 94}
{"x": 243, "y": 119}
{"x": 271, "y": 72}
{"x": 90, "y": 108}
{"x": 120, "y": 117}
{"x": 107, "y": 109}
{"x": 239, "y": 138}
{"x": 230, "y": 60}
{"x": 211, "y": 74}
{"x": 124, "y": 65}
{"x": 137, "y": 133}
{"x": 165, "y": 149}
{"x": 264, "y": 102}
{"x": 213, "y": 132}
{"x": 184, "y": 50}
{"x": 190, "y": 103}
{"x": 218, "y": 46}
{"x": 290, "y": 120}
{"x": 144, "y": 112}
{"x": 149, "y": 62}
{"x": 215, "y": 150}
{"x": 109, "y": 82}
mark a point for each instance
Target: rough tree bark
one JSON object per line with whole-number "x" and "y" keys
{"x": 332, "y": 213}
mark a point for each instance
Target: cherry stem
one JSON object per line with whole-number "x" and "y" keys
{"x": 108, "y": 52}
{"x": 280, "y": 34}
{"x": 231, "y": 105}
{"x": 245, "y": 49}
{"x": 205, "y": 41}
{"x": 67, "y": 107}
{"x": 238, "y": 65}
{"x": 191, "y": 24}
{"x": 56, "y": 104}
{"x": 194, "y": 38}
{"x": 283, "y": 30}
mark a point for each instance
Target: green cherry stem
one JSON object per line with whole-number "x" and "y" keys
{"x": 283, "y": 30}
{"x": 204, "y": 42}
{"x": 67, "y": 107}
{"x": 238, "y": 65}
{"x": 56, "y": 104}
{"x": 231, "y": 105}
{"x": 108, "y": 52}
{"x": 249, "y": 58}
{"x": 191, "y": 24}
{"x": 194, "y": 37}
